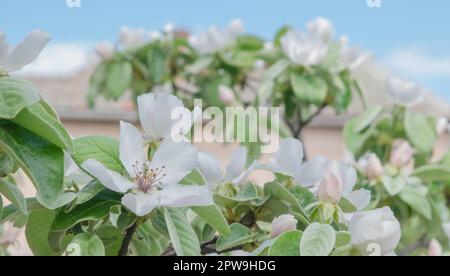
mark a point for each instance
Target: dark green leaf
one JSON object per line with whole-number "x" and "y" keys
{"x": 96, "y": 209}
{"x": 42, "y": 161}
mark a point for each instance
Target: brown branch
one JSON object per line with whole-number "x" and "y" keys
{"x": 206, "y": 248}
{"x": 127, "y": 240}
{"x": 304, "y": 124}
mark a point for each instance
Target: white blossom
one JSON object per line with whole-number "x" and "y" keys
{"x": 15, "y": 58}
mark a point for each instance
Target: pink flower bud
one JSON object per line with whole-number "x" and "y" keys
{"x": 435, "y": 249}
{"x": 282, "y": 224}
{"x": 226, "y": 95}
{"x": 332, "y": 185}
{"x": 374, "y": 169}
{"x": 105, "y": 50}
{"x": 402, "y": 154}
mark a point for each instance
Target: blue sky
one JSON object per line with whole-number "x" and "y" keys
{"x": 412, "y": 37}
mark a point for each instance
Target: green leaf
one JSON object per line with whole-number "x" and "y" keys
{"x": 148, "y": 241}
{"x": 310, "y": 89}
{"x": 417, "y": 201}
{"x": 276, "y": 70}
{"x": 118, "y": 80}
{"x": 42, "y": 161}
{"x": 304, "y": 196}
{"x": 36, "y": 119}
{"x": 263, "y": 249}
{"x": 1, "y": 207}
{"x": 15, "y": 95}
{"x": 419, "y": 131}
{"x": 240, "y": 235}
{"x": 8, "y": 166}
{"x": 250, "y": 43}
{"x": 49, "y": 109}
{"x": 355, "y": 140}
{"x": 37, "y": 232}
{"x": 11, "y": 212}
{"x": 89, "y": 191}
{"x": 96, "y": 83}
{"x": 13, "y": 194}
{"x": 182, "y": 235}
{"x": 214, "y": 217}
{"x": 96, "y": 209}
{"x": 61, "y": 201}
{"x": 367, "y": 118}
{"x": 343, "y": 238}
{"x": 347, "y": 206}
{"x": 343, "y": 244}
{"x": 158, "y": 63}
{"x": 280, "y": 34}
{"x": 225, "y": 201}
{"x": 286, "y": 245}
{"x": 103, "y": 149}
{"x": 318, "y": 240}
{"x": 238, "y": 59}
{"x": 277, "y": 191}
{"x": 200, "y": 64}
{"x": 394, "y": 185}
{"x": 193, "y": 178}
{"x": 86, "y": 245}
{"x": 112, "y": 239}
{"x": 433, "y": 173}
{"x": 248, "y": 192}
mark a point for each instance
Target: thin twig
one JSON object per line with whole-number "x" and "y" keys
{"x": 303, "y": 124}
{"x": 127, "y": 240}
{"x": 206, "y": 248}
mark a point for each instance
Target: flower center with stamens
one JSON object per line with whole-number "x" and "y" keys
{"x": 147, "y": 179}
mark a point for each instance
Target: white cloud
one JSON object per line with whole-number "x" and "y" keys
{"x": 60, "y": 60}
{"x": 418, "y": 62}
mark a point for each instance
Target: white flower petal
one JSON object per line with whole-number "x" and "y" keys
{"x": 155, "y": 112}
{"x": 349, "y": 177}
{"x": 303, "y": 50}
{"x": 290, "y": 156}
{"x": 3, "y": 48}
{"x": 132, "y": 151}
{"x": 27, "y": 51}
{"x": 366, "y": 226}
{"x": 140, "y": 203}
{"x": 186, "y": 196}
{"x": 446, "y": 227}
{"x": 209, "y": 167}
{"x": 110, "y": 179}
{"x": 312, "y": 172}
{"x": 360, "y": 198}
{"x": 235, "y": 28}
{"x": 405, "y": 93}
{"x": 69, "y": 165}
{"x": 176, "y": 159}
{"x": 237, "y": 164}
{"x": 244, "y": 176}
{"x": 321, "y": 28}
